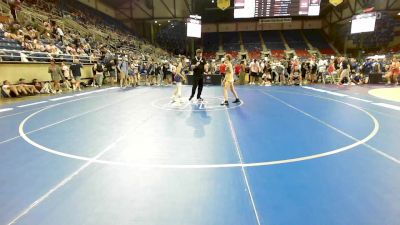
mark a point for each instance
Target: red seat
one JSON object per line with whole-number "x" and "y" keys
{"x": 234, "y": 54}
{"x": 328, "y": 51}
{"x": 278, "y": 54}
{"x": 302, "y": 53}
{"x": 209, "y": 55}
{"x": 255, "y": 55}
{"x": 395, "y": 48}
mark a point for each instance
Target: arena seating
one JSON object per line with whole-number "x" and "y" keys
{"x": 295, "y": 40}
{"x": 254, "y": 54}
{"x": 231, "y": 41}
{"x": 103, "y": 19}
{"x": 318, "y": 41}
{"x": 280, "y": 54}
{"x": 209, "y": 55}
{"x": 234, "y": 54}
{"x": 79, "y": 19}
{"x": 302, "y": 53}
{"x": 86, "y": 35}
{"x": 251, "y": 41}
{"x": 9, "y": 49}
{"x": 40, "y": 57}
{"x": 211, "y": 42}
{"x": 395, "y": 49}
{"x": 9, "y": 44}
{"x": 273, "y": 40}
{"x": 173, "y": 37}
{"x": 11, "y": 56}
{"x": 327, "y": 51}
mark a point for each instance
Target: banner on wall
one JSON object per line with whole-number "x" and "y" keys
{"x": 223, "y": 4}
{"x": 335, "y": 2}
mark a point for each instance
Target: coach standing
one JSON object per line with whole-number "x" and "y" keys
{"x": 198, "y": 72}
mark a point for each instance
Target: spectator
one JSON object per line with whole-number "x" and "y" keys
{"x": 52, "y": 49}
{"x": 67, "y": 78}
{"x": 98, "y": 69}
{"x": 9, "y": 90}
{"x": 75, "y": 70}
{"x": 27, "y": 44}
{"x": 123, "y": 68}
{"x": 15, "y": 5}
{"x": 59, "y": 33}
{"x": 222, "y": 70}
{"x": 42, "y": 87}
{"x": 30, "y": 89}
{"x": 242, "y": 75}
{"x": 254, "y": 70}
{"x": 56, "y": 75}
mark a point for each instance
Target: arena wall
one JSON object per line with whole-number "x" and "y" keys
{"x": 29, "y": 71}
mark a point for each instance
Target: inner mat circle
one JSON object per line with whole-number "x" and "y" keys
{"x": 202, "y": 166}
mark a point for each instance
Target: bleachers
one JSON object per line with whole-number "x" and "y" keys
{"x": 316, "y": 39}
{"x": 395, "y": 48}
{"x": 251, "y": 41}
{"x": 231, "y": 41}
{"x": 8, "y": 49}
{"x": 295, "y": 40}
{"x": 39, "y": 57}
{"x": 254, "y": 55}
{"x": 209, "y": 55}
{"x": 234, "y": 54}
{"x": 173, "y": 38}
{"x": 93, "y": 13}
{"x": 210, "y": 42}
{"x": 9, "y": 44}
{"x": 78, "y": 18}
{"x": 328, "y": 51}
{"x": 302, "y": 53}
{"x": 273, "y": 40}
{"x": 10, "y": 56}
{"x": 279, "y": 54}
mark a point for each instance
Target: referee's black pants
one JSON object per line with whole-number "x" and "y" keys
{"x": 197, "y": 82}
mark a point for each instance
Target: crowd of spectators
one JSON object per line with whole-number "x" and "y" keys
{"x": 54, "y": 37}
{"x": 296, "y": 71}
{"x": 99, "y": 43}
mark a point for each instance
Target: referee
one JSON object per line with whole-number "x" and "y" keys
{"x": 198, "y": 71}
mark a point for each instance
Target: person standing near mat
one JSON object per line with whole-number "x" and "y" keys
{"x": 198, "y": 72}
{"x": 393, "y": 72}
{"x": 228, "y": 81}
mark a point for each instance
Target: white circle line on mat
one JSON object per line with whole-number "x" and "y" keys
{"x": 205, "y": 166}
